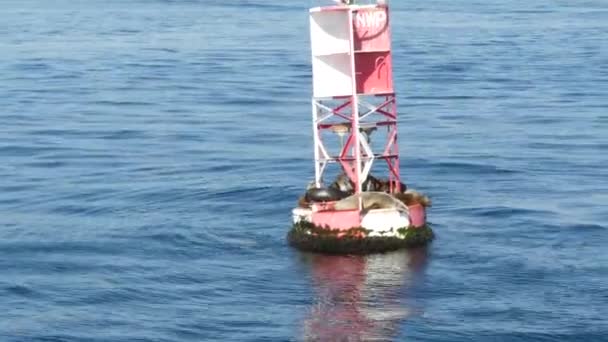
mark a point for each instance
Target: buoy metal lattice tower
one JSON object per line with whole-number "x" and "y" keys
{"x": 353, "y": 92}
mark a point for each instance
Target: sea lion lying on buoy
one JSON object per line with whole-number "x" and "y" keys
{"x": 409, "y": 198}
{"x": 371, "y": 200}
{"x": 412, "y": 197}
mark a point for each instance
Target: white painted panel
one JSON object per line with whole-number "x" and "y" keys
{"x": 301, "y": 214}
{"x": 382, "y": 220}
{"x": 331, "y": 75}
{"x": 329, "y": 32}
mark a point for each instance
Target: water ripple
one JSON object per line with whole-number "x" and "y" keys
{"x": 151, "y": 152}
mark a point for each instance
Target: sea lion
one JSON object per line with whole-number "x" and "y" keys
{"x": 371, "y": 200}
{"x": 344, "y": 184}
{"x": 412, "y": 197}
{"x": 371, "y": 183}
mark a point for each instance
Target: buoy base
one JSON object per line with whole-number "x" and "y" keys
{"x": 307, "y": 237}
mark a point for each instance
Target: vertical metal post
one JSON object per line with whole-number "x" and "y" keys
{"x": 355, "y": 108}
{"x": 315, "y": 135}
{"x": 396, "y": 148}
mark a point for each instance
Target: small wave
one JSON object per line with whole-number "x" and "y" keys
{"x": 85, "y": 247}
{"x": 503, "y": 212}
{"x": 121, "y": 103}
{"x": 83, "y": 210}
{"x": 22, "y": 150}
{"x": 471, "y": 168}
{"x": 124, "y": 134}
{"x": 589, "y": 227}
{"x": 22, "y": 291}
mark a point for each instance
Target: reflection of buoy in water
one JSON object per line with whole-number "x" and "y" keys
{"x": 358, "y": 213}
{"x": 368, "y": 299}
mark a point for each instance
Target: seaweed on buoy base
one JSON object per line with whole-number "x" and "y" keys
{"x": 306, "y": 236}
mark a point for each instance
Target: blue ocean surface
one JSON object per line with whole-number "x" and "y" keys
{"x": 151, "y": 152}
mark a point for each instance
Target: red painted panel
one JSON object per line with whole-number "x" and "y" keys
{"x": 337, "y": 219}
{"x": 374, "y": 72}
{"x": 372, "y": 30}
{"x": 417, "y": 215}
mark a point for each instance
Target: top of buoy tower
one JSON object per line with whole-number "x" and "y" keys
{"x": 354, "y": 2}
{"x": 341, "y": 4}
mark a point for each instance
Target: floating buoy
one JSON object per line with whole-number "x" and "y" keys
{"x": 353, "y": 97}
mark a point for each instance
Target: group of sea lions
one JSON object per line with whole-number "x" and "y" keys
{"x": 345, "y": 185}
{"x": 375, "y": 194}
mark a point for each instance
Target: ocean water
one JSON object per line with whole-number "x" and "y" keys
{"x": 151, "y": 152}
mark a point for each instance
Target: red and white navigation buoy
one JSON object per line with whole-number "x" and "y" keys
{"x": 353, "y": 97}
